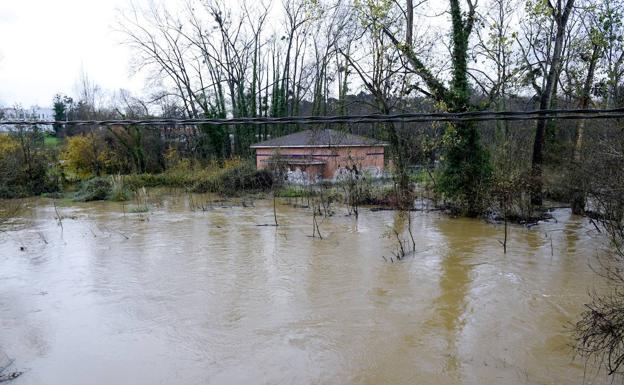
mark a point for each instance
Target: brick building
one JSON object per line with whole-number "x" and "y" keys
{"x": 314, "y": 155}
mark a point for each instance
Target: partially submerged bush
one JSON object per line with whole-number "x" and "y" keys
{"x": 142, "y": 201}
{"x": 292, "y": 191}
{"x": 94, "y": 189}
{"x": 118, "y": 191}
{"x": 600, "y": 329}
{"x": 233, "y": 179}
{"x": 25, "y": 164}
{"x": 9, "y": 210}
{"x": 467, "y": 170}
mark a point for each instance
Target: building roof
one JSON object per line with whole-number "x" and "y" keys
{"x": 319, "y": 138}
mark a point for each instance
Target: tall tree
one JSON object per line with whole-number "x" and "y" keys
{"x": 467, "y": 168}
{"x": 587, "y": 48}
{"x": 542, "y": 50}
{"x": 380, "y": 70}
{"x": 60, "y": 111}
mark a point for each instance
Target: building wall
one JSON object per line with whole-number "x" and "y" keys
{"x": 32, "y": 114}
{"x": 336, "y": 158}
{"x": 304, "y": 174}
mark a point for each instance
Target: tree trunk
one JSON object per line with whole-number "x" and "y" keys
{"x": 578, "y": 193}
{"x": 410, "y": 22}
{"x": 537, "y": 162}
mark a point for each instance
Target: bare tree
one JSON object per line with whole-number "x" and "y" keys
{"x": 542, "y": 49}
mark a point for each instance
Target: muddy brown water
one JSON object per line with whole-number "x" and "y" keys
{"x": 176, "y": 296}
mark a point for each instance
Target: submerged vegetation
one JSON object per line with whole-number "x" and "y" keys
{"x": 235, "y": 177}
{"x": 9, "y": 210}
{"x": 600, "y": 329}
{"x": 27, "y": 167}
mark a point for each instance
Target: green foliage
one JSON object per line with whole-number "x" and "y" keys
{"x": 235, "y": 179}
{"x": 25, "y": 164}
{"x": 215, "y": 142}
{"x": 368, "y": 193}
{"x": 538, "y": 8}
{"x": 142, "y": 201}
{"x": 51, "y": 141}
{"x": 119, "y": 192}
{"x": 230, "y": 178}
{"x": 84, "y": 155}
{"x": 95, "y": 189}
{"x": 467, "y": 170}
{"x": 62, "y": 107}
{"x": 383, "y": 195}
{"x": 292, "y": 191}
{"x": 419, "y": 177}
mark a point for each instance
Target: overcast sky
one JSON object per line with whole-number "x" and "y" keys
{"x": 45, "y": 43}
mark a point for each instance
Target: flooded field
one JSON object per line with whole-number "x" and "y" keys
{"x": 176, "y": 296}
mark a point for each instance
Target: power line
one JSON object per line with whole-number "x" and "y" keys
{"x": 473, "y": 116}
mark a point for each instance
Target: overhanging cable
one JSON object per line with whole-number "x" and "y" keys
{"x": 472, "y": 116}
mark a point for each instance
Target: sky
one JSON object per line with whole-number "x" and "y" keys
{"x": 44, "y": 45}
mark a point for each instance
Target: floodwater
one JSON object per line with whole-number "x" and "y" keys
{"x": 176, "y": 296}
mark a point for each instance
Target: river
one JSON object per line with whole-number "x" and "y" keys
{"x": 176, "y": 296}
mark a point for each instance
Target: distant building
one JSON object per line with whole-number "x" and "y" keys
{"x": 34, "y": 113}
{"x": 314, "y": 155}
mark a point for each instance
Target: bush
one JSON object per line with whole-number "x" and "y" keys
{"x": 118, "y": 191}
{"x": 290, "y": 191}
{"x": 89, "y": 155}
{"x": 233, "y": 179}
{"x": 25, "y": 166}
{"x": 95, "y": 189}
{"x": 229, "y": 179}
{"x": 467, "y": 170}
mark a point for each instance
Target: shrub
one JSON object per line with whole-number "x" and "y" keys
{"x": 94, "y": 189}
{"x": 467, "y": 170}
{"x": 234, "y": 178}
{"x": 25, "y": 164}
{"x": 118, "y": 191}
{"x": 86, "y": 155}
{"x": 8, "y": 211}
{"x": 142, "y": 201}
{"x": 9, "y": 165}
{"x": 290, "y": 191}
{"x": 229, "y": 179}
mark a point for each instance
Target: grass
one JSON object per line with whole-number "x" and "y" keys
{"x": 9, "y": 209}
{"x": 419, "y": 177}
{"x": 290, "y": 191}
{"x": 142, "y": 202}
{"x": 369, "y": 194}
{"x": 51, "y": 141}
{"x": 119, "y": 192}
{"x": 232, "y": 178}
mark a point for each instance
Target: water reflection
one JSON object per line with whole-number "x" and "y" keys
{"x": 461, "y": 239}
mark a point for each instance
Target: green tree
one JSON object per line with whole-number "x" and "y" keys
{"x": 59, "y": 112}
{"x": 467, "y": 167}
{"x": 62, "y": 105}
